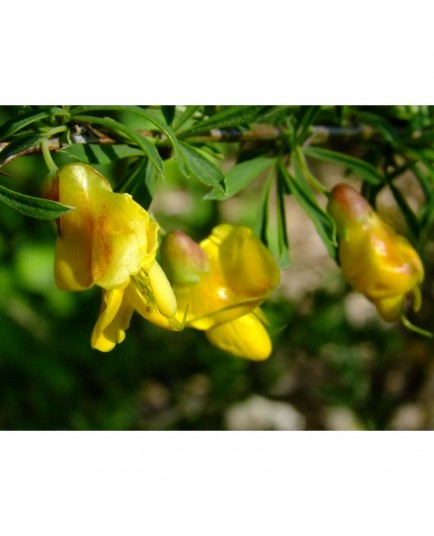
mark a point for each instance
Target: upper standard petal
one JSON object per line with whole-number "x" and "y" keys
{"x": 106, "y": 239}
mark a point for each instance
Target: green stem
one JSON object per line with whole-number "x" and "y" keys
{"x": 46, "y": 151}
{"x": 52, "y": 168}
{"x": 313, "y": 181}
{"x": 414, "y": 328}
{"x": 53, "y": 131}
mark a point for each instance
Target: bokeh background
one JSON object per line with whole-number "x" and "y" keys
{"x": 335, "y": 364}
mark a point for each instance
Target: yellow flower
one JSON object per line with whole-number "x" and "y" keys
{"x": 108, "y": 240}
{"x": 219, "y": 286}
{"x": 375, "y": 260}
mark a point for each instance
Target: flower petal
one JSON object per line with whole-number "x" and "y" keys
{"x": 114, "y": 319}
{"x": 389, "y": 308}
{"x": 162, "y": 291}
{"x": 244, "y": 337}
{"x": 245, "y": 261}
{"x": 107, "y": 238}
{"x": 378, "y": 262}
{"x": 144, "y": 307}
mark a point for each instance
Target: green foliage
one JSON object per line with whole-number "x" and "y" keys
{"x": 396, "y": 138}
{"x": 33, "y": 207}
{"x": 240, "y": 176}
{"x": 19, "y": 145}
{"x": 193, "y": 164}
{"x": 230, "y": 117}
{"x": 92, "y": 153}
{"x": 300, "y": 189}
{"x": 367, "y": 171}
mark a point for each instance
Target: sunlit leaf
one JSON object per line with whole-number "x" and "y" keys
{"x": 194, "y": 165}
{"x": 230, "y": 117}
{"x": 184, "y": 117}
{"x": 240, "y": 176}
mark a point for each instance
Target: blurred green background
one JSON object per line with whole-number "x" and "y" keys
{"x": 335, "y": 364}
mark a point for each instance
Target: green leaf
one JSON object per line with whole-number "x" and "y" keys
{"x": 305, "y": 119}
{"x": 148, "y": 148}
{"x": 140, "y": 182}
{"x": 24, "y": 120}
{"x": 419, "y": 155}
{"x": 360, "y": 167}
{"x": 17, "y": 123}
{"x": 194, "y": 165}
{"x": 303, "y": 194}
{"x": 282, "y": 234}
{"x": 370, "y": 192}
{"x": 93, "y": 153}
{"x": 231, "y": 117}
{"x": 169, "y": 113}
{"x": 271, "y": 225}
{"x": 426, "y": 214}
{"x": 422, "y": 140}
{"x": 424, "y": 181}
{"x": 35, "y": 207}
{"x": 409, "y": 216}
{"x": 240, "y": 176}
{"x": 146, "y": 114}
{"x": 148, "y": 187}
{"x": 261, "y": 229}
{"x": 380, "y": 123}
{"x": 17, "y": 146}
{"x": 184, "y": 117}
{"x": 152, "y": 118}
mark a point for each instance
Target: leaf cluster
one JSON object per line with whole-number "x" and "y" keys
{"x": 374, "y": 145}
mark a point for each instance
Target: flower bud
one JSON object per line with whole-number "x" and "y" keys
{"x": 50, "y": 189}
{"x": 346, "y": 206}
{"x": 183, "y": 260}
{"x": 375, "y": 260}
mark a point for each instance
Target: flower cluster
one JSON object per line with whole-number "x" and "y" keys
{"x": 375, "y": 260}
{"x": 110, "y": 241}
{"x": 218, "y": 285}
{"x": 221, "y": 283}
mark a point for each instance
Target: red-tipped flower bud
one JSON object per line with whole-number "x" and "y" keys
{"x": 375, "y": 260}
{"x": 183, "y": 260}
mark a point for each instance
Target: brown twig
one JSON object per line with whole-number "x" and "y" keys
{"x": 259, "y": 132}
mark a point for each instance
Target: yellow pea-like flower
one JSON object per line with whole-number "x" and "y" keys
{"x": 219, "y": 285}
{"x": 375, "y": 260}
{"x": 109, "y": 240}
